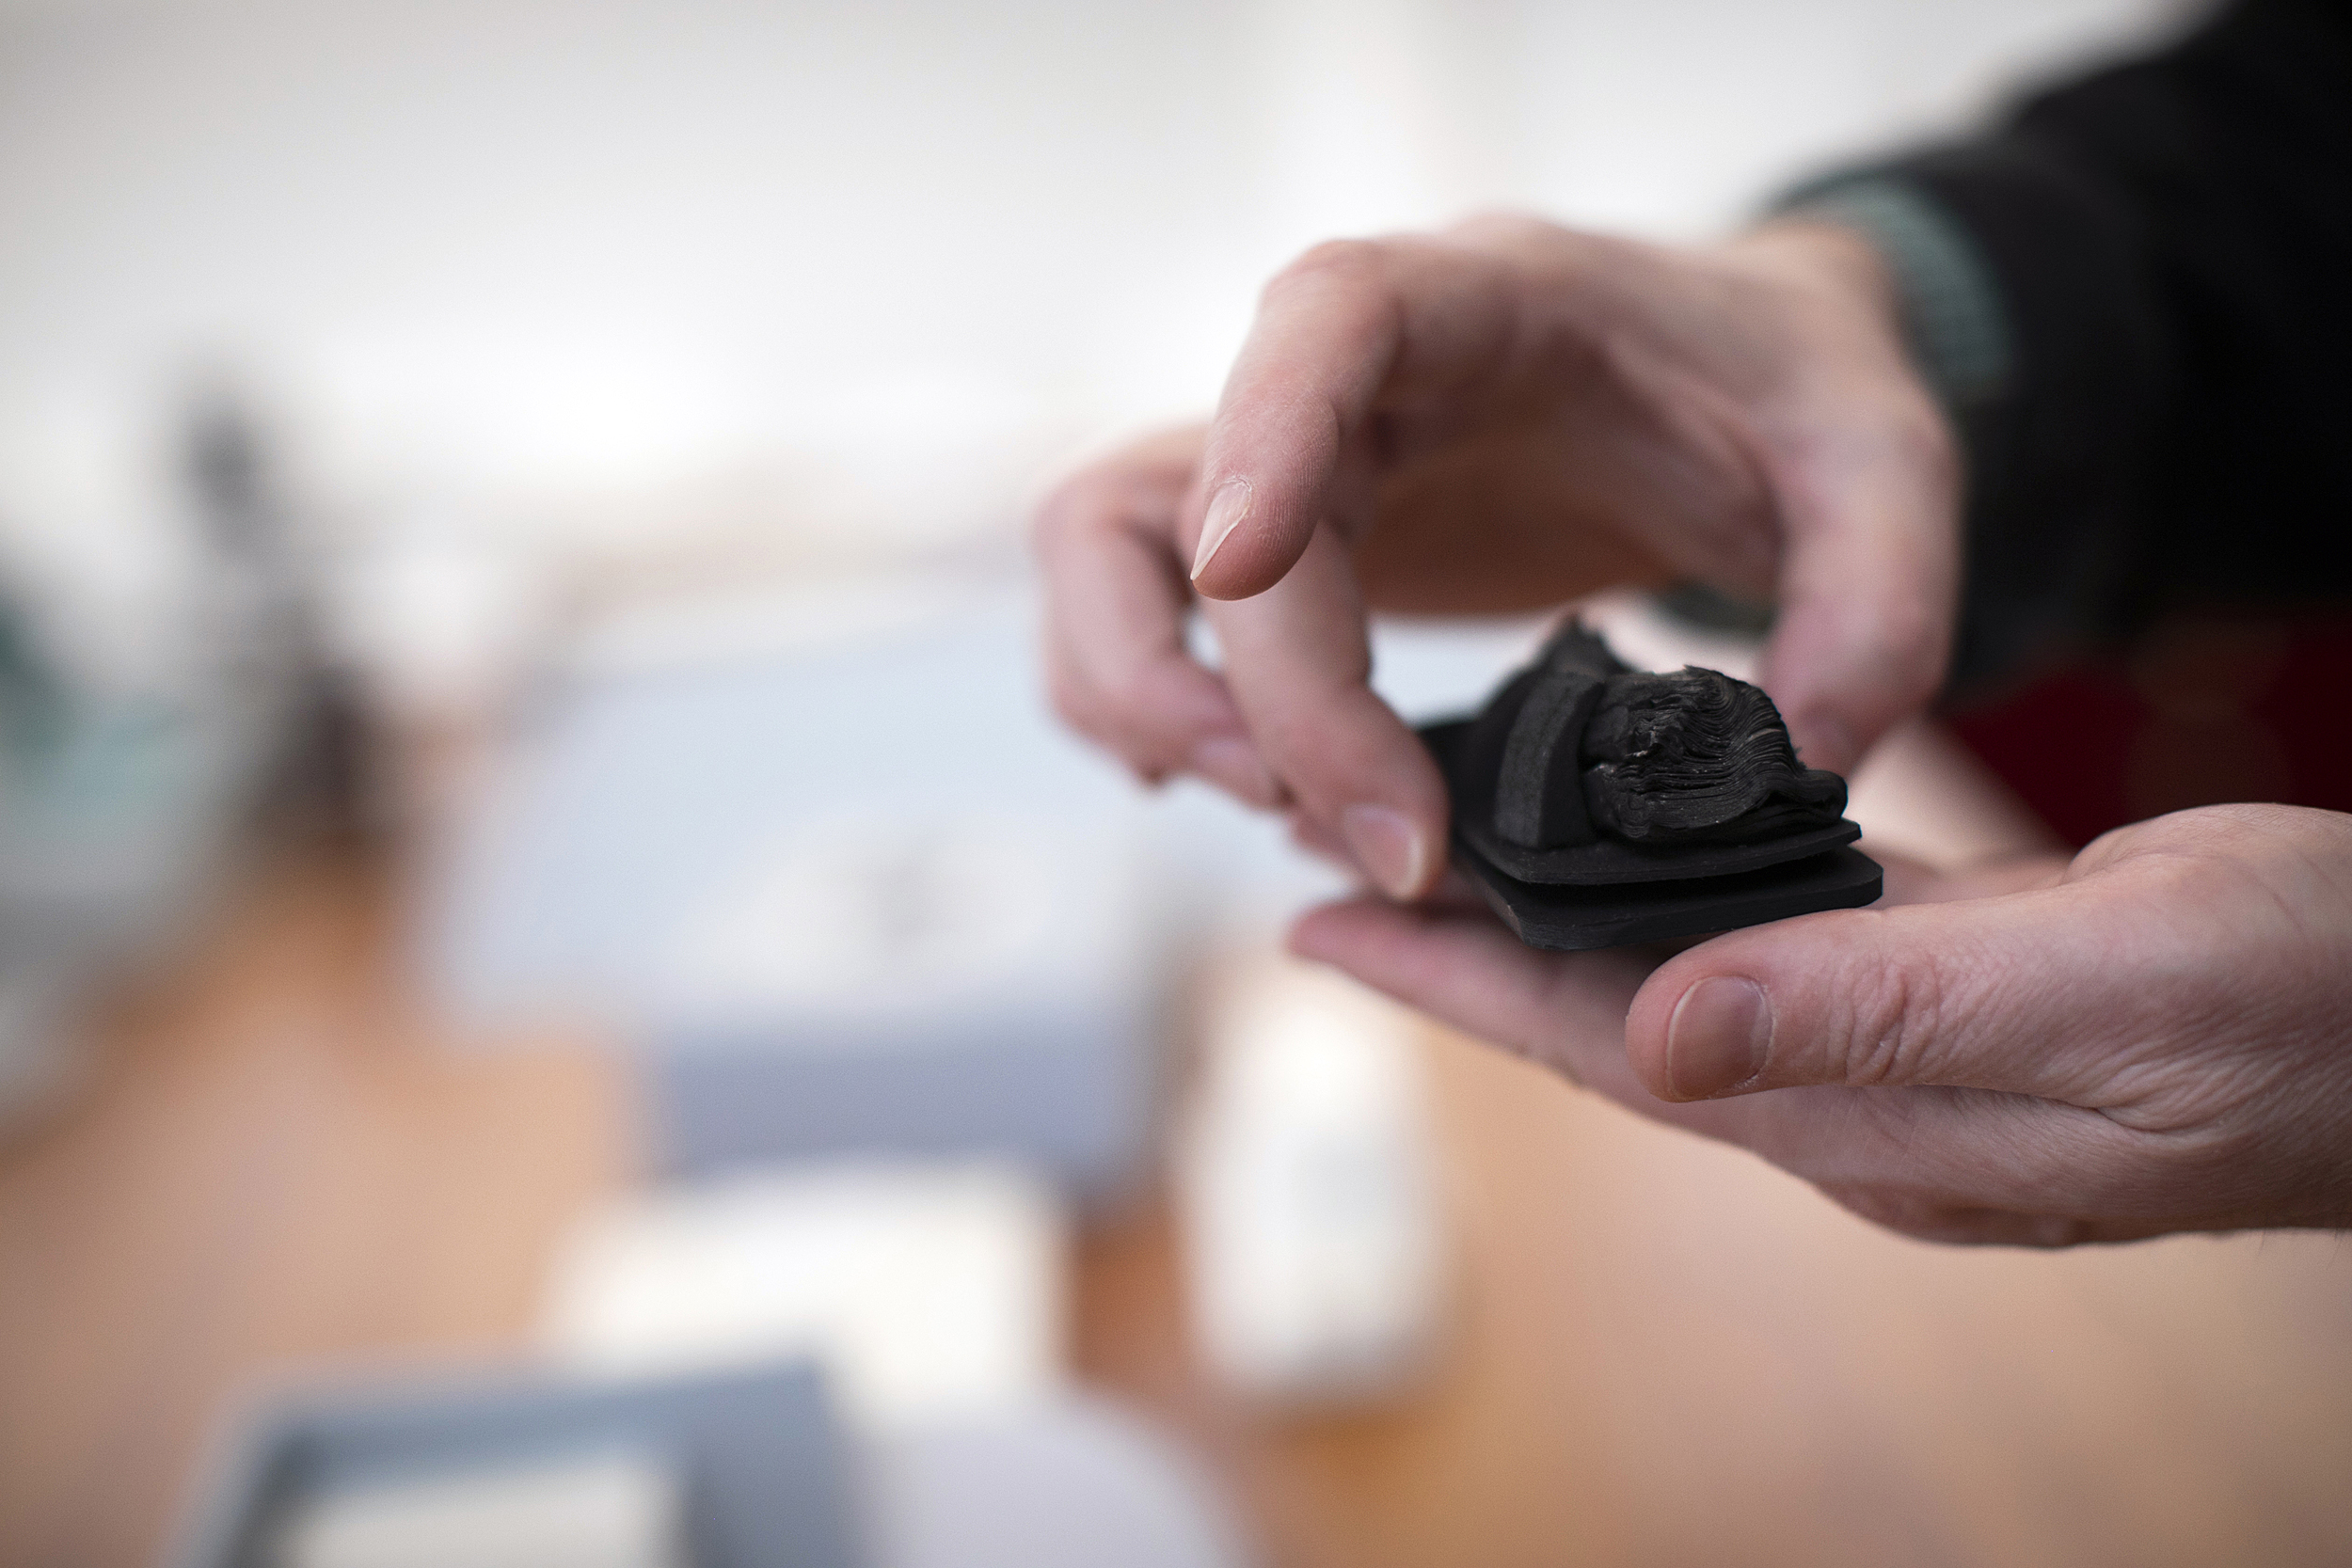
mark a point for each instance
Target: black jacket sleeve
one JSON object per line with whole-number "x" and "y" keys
{"x": 2154, "y": 390}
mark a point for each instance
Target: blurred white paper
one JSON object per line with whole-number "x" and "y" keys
{"x": 1313, "y": 1222}
{"x": 601, "y": 1510}
{"x": 925, "y": 1292}
{"x": 925, "y": 917}
{"x": 1077, "y": 1483}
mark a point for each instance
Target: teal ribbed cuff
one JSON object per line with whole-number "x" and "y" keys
{"x": 1952, "y": 308}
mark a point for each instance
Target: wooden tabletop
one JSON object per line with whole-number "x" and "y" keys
{"x": 1664, "y": 1353}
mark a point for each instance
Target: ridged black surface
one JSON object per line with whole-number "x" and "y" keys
{"x": 1596, "y": 805}
{"x": 1698, "y": 757}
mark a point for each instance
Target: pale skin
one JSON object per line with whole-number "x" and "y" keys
{"x": 2156, "y": 1036}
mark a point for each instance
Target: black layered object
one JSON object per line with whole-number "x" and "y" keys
{"x": 1596, "y": 805}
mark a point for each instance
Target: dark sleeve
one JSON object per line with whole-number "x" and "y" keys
{"x": 2135, "y": 299}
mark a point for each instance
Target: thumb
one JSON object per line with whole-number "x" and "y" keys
{"x": 2027, "y": 992}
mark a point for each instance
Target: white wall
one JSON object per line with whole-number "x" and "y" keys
{"x": 492, "y": 248}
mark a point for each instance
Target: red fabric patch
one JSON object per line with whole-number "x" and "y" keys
{"x": 2200, "y": 712}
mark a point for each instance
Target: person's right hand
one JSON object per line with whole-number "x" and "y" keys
{"x": 1506, "y": 417}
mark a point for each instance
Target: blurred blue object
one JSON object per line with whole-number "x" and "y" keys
{"x": 755, "y": 1454}
{"x": 862, "y": 895}
{"x": 860, "y": 892}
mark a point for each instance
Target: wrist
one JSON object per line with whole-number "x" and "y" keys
{"x": 1826, "y": 260}
{"x": 1947, "y": 304}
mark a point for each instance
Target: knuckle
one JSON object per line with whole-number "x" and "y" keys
{"x": 1900, "y": 1020}
{"x": 1138, "y": 492}
{"x": 1360, "y": 263}
{"x": 1501, "y": 227}
{"x": 1146, "y": 703}
{"x": 1073, "y": 703}
{"x": 1122, "y": 700}
{"x": 1076, "y": 505}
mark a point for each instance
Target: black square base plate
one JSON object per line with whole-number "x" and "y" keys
{"x": 1576, "y": 919}
{"x": 1612, "y": 895}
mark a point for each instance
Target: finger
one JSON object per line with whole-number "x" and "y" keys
{"x": 1868, "y": 584}
{"x": 1116, "y": 660}
{"x": 1565, "y": 1011}
{"x": 1453, "y": 891}
{"x": 1316, "y": 839}
{"x": 1325, "y": 338}
{"x": 1350, "y": 324}
{"x": 2039, "y": 993}
{"x": 1297, "y": 660}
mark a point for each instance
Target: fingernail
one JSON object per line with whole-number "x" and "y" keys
{"x": 1387, "y": 844}
{"x": 1226, "y": 507}
{"x": 1233, "y": 766}
{"x": 1719, "y": 1037}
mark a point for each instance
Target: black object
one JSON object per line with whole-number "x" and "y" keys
{"x": 1596, "y": 805}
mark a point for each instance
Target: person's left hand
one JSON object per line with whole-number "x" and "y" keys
{"x": 2154, "y": 1037}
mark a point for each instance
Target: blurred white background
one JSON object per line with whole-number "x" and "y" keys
{"x": 576, "y": 276}
{"x": 604, "y": 355}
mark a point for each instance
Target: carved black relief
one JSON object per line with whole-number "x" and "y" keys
{"x": 1678, "y": 793}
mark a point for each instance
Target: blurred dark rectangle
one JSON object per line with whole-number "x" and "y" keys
{"x": 763, "y": 1463}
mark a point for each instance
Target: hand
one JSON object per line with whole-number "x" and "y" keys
{"x": 2154, "y": 1037}
{"x": 1503, "y": 418}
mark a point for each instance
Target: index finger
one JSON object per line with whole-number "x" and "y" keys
{"x": 1291, "y": 445}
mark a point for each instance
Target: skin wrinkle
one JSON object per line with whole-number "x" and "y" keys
{"x": 1966, "y": 984}
{"x": 1494, "y": 350}
{"x": 1536, "y": 354}
{"x": 2295, "y": 914}
{"x": 1986, "y": 978}
{"x": 1909, "y": 1153}
{"x": 1887, "y": 1056}
{"x": 2251, "y": 1130}
{"x": 2016, "y": 1136}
